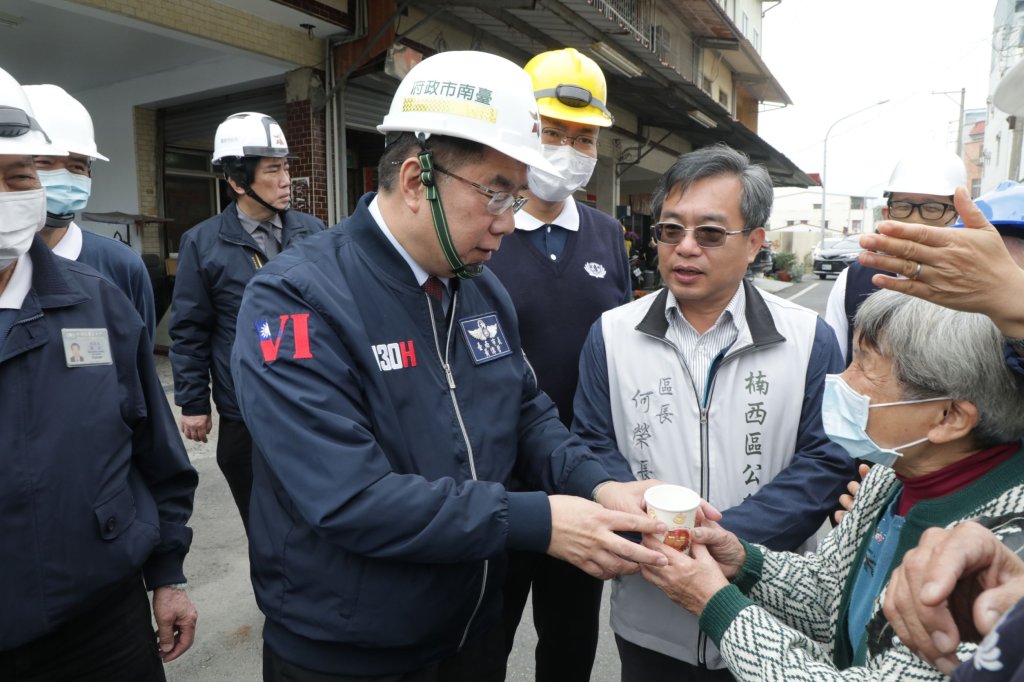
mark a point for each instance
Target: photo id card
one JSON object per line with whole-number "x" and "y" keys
{"x": 85, "y": 347}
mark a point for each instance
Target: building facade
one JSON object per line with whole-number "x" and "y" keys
{"x": 159, "y": 76}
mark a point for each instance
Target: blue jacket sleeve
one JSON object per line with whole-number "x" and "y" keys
{"x": 550, "y": 457}
{"x": 1014, "y": 360}
{"x": 800, "y": 498}
{"x": 592, "y": 414}
{"x": 161, "y": 465}
{"x": 192, "y": 322}
{"x": 142, "y": 297}
{"x": 311, "y": 425}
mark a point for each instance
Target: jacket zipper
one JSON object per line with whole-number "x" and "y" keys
{"x": 704, "y": 406}
{"x": 450, "y": 378}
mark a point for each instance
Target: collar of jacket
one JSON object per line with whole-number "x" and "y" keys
{"x": 758, "y": 317}
{"x": 367, "y": 234}
{"x": 50, "y": 286}
{"x": 231, "y": 229}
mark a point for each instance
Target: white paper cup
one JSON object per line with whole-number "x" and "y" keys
{"x": 676, "y": 507}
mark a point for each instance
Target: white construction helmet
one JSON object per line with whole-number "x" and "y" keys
{"x": 938, "y": 173}
{"x": 20, "y": 132}
{"x": 474, "y": 96}
{"x": 249, "y": 134}
{"x": 64, "y": 119}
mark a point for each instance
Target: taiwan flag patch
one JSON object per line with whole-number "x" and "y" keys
{"x": 270, "y": 342}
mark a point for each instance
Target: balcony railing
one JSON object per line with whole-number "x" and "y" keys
{"x": 636, "y": 17}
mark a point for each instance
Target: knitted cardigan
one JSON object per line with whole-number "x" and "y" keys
{"x": 792, "y": 626}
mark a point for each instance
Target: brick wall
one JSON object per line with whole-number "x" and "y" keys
{"x": 305, "y": 131}
{"x": 145, "y": 171}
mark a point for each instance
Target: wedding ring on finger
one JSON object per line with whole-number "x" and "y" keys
{"x": 916, "y": 273}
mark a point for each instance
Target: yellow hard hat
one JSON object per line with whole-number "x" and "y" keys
{"x": 570, "y": 86}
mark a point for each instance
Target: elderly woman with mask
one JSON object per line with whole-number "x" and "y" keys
{"x": 928, "y": 396}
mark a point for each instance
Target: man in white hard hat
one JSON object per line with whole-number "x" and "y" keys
{"x": 920, "y": 190}
{"x": 97, "y": 489}
{"x": 68, "y": 183}
{"x": 380, "y": 369}
{"x": 216, "y": 259}
{"x": 564, "y": 265}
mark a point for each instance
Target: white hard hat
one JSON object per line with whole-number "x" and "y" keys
{"x": 928, "y": 173}
{"x": 20, "y": 133}
{"x": 64, "y": 119}
{"x": 474, "y": 96}
{"x": 249, "y": 134}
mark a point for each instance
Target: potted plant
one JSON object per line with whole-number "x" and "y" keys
{"x": 796, "y": 271}
{"x": 783, "y": 265}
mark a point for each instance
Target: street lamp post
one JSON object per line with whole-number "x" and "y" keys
{"x": 824, "y": 161}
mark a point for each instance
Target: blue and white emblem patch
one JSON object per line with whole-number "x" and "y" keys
{"x": 485, "y": 338}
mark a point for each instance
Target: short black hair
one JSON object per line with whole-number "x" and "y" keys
{"x": 449, "y": 152}
{"x": 719, "y": 160}
{"x": 241, "y": 169}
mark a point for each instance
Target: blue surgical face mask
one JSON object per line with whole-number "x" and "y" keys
{"x": 66, "y": 192}
{"x": 844, "y": 415}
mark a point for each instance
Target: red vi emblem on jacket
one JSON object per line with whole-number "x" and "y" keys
{"x": 270, "y": 343}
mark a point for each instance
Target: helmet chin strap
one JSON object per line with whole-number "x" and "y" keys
{"x": 444, "y": 236}
{"x": 250, "y": 192}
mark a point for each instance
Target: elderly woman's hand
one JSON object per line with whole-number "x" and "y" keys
{"x": 690, "y": 581}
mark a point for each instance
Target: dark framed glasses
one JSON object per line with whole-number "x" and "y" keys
{"x": 929, "y": 210}
{"x": 499, "y": 201}
{"x": 707, "y": 236}
{"x": 554, "y": 136}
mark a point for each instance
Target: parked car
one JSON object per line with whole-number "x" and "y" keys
{"x": 827, "y": 244}
{"x": 762, "y": 263}
{"x": 833, "y": 259}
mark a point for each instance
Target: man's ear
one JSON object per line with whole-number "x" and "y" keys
{"x": 235, "y": 187}
{"x": 754, "y": 241}
{"x": 414, "y": 193}
{"x": 958, "y": 420}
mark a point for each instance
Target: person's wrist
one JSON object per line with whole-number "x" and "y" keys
{"x": 593, "y": 493}
{"x": 181, "y": 587}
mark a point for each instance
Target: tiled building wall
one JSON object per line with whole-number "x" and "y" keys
{"x": 146, "y": 173}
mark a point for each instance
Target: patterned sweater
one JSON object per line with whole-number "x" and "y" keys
{"x": 784, "y": 616}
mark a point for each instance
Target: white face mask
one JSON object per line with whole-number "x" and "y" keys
{"x": 575, "y": 168}
{"x": 22, "y": 214}
{"x": 844, "y": 415}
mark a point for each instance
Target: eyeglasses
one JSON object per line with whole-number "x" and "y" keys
{"x": 929, "y": 210}
{"x": 707, "y": 236}
{"x": 581, "y": 143}
{"x": 500, "y": 201}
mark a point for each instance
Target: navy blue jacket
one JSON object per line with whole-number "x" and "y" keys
{"x": 216, "y": 259}
{"x": 96, "y": 484}
{"x": 380, "y": 517}
{"x": 124, "y": 268}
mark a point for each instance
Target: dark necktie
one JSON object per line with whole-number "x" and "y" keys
{"x": 434, "y": 287}
{"x": 269, "y": 241}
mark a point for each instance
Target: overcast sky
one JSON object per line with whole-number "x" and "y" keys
{"x": 834, "y": 57}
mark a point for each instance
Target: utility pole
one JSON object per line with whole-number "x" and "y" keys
{"x": 959, "y": 121}
{"x": 960, "y": 126}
